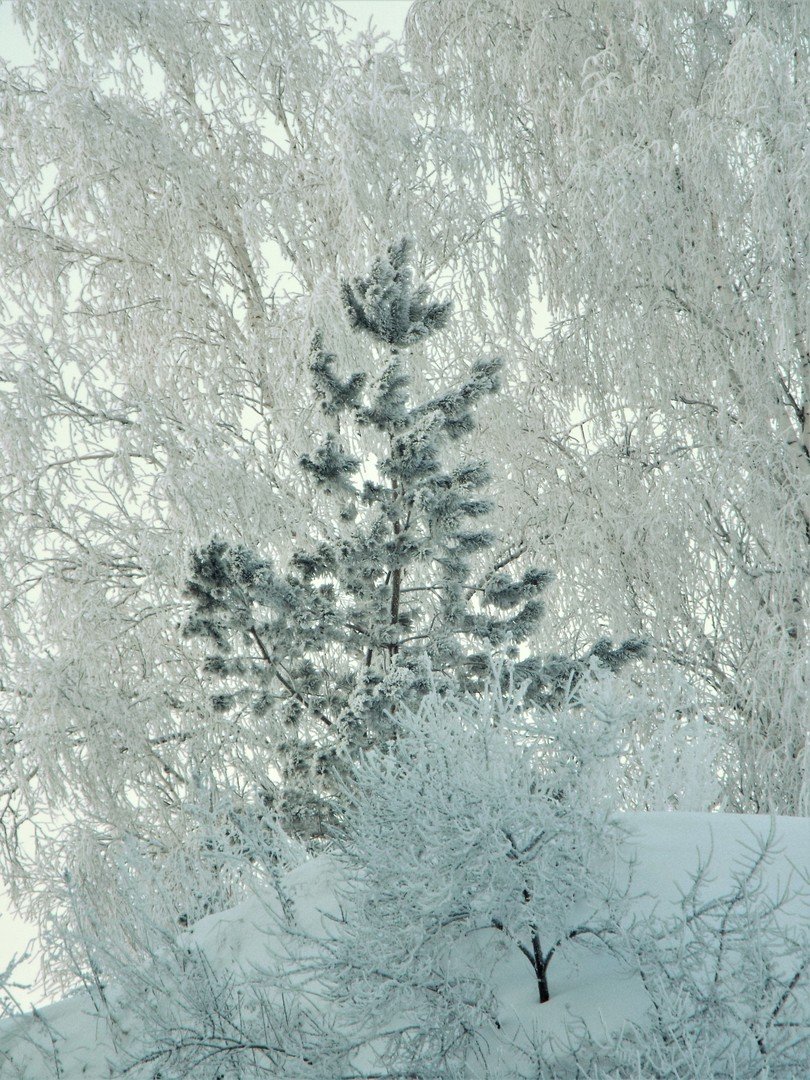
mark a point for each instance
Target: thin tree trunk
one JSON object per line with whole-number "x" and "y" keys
{"x": 540, "y": 967}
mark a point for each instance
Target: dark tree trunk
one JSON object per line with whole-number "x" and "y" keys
{"x": 540, "y": 968}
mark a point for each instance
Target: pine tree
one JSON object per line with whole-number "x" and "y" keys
{"x": 400, "y": 600}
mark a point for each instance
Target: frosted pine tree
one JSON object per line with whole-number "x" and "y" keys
{"x": 407, "y": 595}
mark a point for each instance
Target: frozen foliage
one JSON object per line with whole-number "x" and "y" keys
{"x": 388, "y": 307}
{"x": 614, "y": 194}
{"x": 472, "y": 842}
{"x": 652, "y": 170}
{"x": 726, "y": 980}
{"x": 410, "y": 949}
{"x": 175, "y": 226}
{"x": 183, "y": 186}
{"x": 9, "y": 1004}
{"x": 669, "y": 757}
{"x": 403, "y": 592}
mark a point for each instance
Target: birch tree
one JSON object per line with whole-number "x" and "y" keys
{"x": 653, "y": 172}
{"x": 183, "y": 186}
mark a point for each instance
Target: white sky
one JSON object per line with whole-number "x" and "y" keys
{"x": 13, "y": 46}
{"x": 388, "y": 16}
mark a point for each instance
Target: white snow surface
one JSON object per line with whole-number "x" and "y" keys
{"x": 71, "y": 1040}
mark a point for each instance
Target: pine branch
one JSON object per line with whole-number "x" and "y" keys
{"x": 288, "y": 686}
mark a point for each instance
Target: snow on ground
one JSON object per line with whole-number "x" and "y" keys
{"x": 73, "y": 1041}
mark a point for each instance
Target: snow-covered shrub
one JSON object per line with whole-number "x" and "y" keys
{"x": 481, "y": 845}
{"x": 213, "y": 1020}
{"x": 726, "y": 979}
{"x": 120, "y": 898}
{"x": 220, "y": 997}
{"x": 472, "y": 857}
{"x": 8, "y": 999}
{"x": 477, "y": 857}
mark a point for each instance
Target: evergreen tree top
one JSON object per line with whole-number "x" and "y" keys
{"x": 387, "y": 305}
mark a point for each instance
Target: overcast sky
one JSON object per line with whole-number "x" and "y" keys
{"x": 387, "y": 15}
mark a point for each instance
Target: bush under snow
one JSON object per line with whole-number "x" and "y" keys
{"x": 472, "y": 857}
